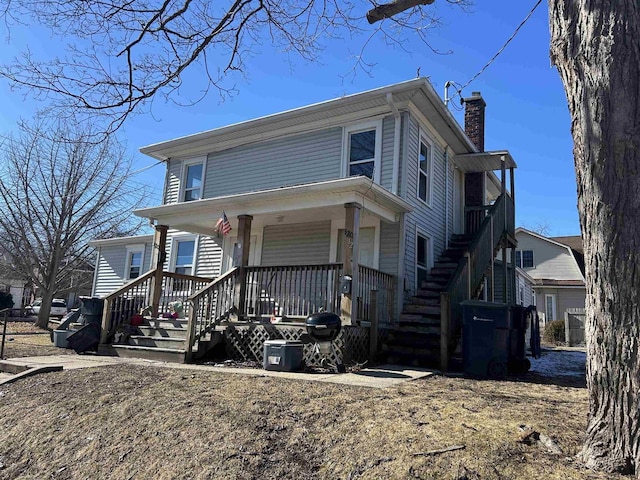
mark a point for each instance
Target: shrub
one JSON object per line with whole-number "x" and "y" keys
{"x": 554, "y": 332}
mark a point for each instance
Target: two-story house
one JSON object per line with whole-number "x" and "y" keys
{"x": 382, "y": 188}
{"x": 557, "y": 266}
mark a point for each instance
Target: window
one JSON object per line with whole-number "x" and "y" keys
{"x": 184, "y": 256}
{"x": 524, "y": 258}
{"x": 422, "y": 259}
{"x": 193, "y": 182}
{"x": 550, "y": 307}
{"x": 363, "y": 146}
{"x": 424, "y": 172}
{"x": 135, "y": 257}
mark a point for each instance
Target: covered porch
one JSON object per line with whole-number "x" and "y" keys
{"x": 290, "y": 253}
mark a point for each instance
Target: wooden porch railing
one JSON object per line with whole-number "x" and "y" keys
{"x": 212, "y": 303}
{"x": 294, "y": 291}
{"x": 385, "y": 284}
{"x": 131, "y": 298}
{"x": 470, "y": 272}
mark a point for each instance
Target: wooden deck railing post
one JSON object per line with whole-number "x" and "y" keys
{"x": 160, "y": 244}
{"x": 244, "y": 240}
{"x": 444, "y": 331}
{"x": 191, "y": 328}
{"x": 373, "y": 328}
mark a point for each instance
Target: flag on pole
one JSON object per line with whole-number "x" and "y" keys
{"x": 223, "y": 226}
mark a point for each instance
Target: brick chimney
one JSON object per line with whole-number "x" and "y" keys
{"x": 474, "y": 107}
{"x": 474, "y": 182}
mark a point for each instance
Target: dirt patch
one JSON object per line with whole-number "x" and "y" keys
{"x": 24, "y": 339}
{"x": 140, "y": 422}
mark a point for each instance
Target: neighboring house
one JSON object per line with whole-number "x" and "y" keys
{"x": 19, "y": 289}
{"x": 557, "y": 266}
{"x": 386, "y": 177}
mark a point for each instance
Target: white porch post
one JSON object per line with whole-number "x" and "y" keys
{"x": 350, "y": 255}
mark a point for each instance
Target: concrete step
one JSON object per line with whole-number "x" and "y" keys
{"x": 150, "y": 353}
{"x": 168, "y": 332}
{"x": 160, "y": 342}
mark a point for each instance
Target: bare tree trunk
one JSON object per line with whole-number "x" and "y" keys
{"x": 596, "y": 49}
{"x": 45, "y": 310}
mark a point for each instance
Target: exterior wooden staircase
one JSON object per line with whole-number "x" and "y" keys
{"x": 163, "y": 339}
{"x": 415, "y": 340}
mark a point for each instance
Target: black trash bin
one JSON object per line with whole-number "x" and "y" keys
{"x": 91, "y": 309}
{"x": 486, "y": 338}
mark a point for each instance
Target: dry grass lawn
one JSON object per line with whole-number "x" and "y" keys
{"x": 133, "y": 422}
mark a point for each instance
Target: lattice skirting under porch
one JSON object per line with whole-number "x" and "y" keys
{"x": 246, "y": 342}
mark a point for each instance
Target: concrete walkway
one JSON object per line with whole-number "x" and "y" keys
{"x": 382, "y": 376}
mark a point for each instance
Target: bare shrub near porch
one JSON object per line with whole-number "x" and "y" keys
{"x": 554, "y": 333}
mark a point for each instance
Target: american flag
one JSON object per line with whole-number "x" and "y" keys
{"x": 223, "y": 226}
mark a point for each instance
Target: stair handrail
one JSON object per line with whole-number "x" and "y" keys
{"x": 107, "y": 328}
{"x": 194, "y": 300}
{"x": 472, "y": 265}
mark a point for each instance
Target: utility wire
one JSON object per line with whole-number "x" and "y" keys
{"x": 459, "y": 91}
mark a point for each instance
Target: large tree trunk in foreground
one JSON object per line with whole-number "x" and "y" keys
{"x": 596, "y": 48}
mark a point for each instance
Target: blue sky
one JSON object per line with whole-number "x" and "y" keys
{"x": 526, "y": 106}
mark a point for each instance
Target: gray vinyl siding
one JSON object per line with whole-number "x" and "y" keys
{"x": 386, "y": 168}
{"x": 566, "y": 298}
{"x": 389, "y": 247}
{"x": 427, "y": 219}
{"x": 174, "y": 169}
{"x": 296, "y": 244}
{"x": 209, "y": 257}
{"x": 550, "y": 261}
{"x": 111, "y": 267}
{"x": 306, "y": 158}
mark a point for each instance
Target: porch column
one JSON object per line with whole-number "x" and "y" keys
{"x": 157, "y": 262}
{"x": 350, "y": 255}
{"x": 244, "y": 240}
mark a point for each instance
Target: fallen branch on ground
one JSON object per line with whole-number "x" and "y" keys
{"x": 528, "y": 436}
{"x": 438, "y": 452}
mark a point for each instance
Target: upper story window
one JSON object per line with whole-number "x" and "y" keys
{"x": 183, "y": 257}
{"x": 524, "y": 258}
{"x": 363, "y": 149}
{"x": 135, "y": 257}
{"x": 424, "y": 171}
{"x": 193, "y": 181}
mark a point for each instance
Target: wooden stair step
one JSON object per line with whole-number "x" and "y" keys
{"x": 422, "y": 309}
{"x": 157, "y": 342}
{"x": 433, "y": 300}
{"x": 150, "y": 353}
{"x": 168, "y": 332}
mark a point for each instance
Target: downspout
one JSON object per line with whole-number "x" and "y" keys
{"x": 396, "y": 144}
{"x": 446, "y": 198}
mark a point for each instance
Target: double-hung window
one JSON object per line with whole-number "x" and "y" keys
{"x": 524, "y": 258}
{"x": 193, "y": 173}
{"x": 135, "y": 257}
{"x": 183, "y": 256}
{"x": 424, "y": 171}
{"x": 363, "y": 149}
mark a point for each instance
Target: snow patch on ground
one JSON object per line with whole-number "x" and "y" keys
{"x": 566, "y": 363}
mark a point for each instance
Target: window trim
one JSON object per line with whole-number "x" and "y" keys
{"x": 347, "y": 131}
{"x": 520, "y": 258}
{"x": 424, "y": 139}
{"x": 421, "y": 233}
{"x": 554, "y": 306}
{"x": 137, "y": 248}
{"x": 183, "y": 177}
{"x": 174, "y": 252}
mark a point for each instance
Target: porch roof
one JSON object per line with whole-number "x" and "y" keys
{"x": 484, "y": 161}
{"x": 295, "y": 201}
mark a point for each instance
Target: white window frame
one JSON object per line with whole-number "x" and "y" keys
{"x": 520, "y": 263}
{"x": 347, "y": 131}
{"x": 185, "y": 168}
{"x": 420, "y": 233}
{"x": 138, "y": 248}
{"x": 429, "y": 144}
{"x": 554, "y": 307}
{"x": 174, "y": 252}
